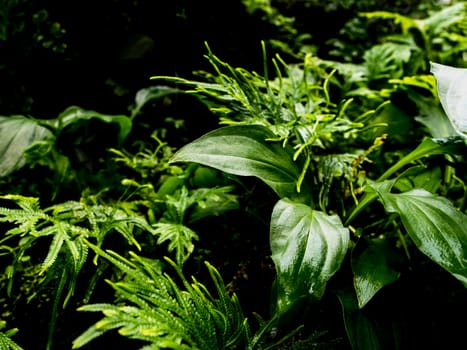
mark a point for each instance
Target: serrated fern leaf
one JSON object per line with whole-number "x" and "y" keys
{"x": 154, "y": 308}
{"x": 54, "y": 249}
{"x": 6, "y": 343}
{"x": 179, "y": 236}
{"x": 87, "y": 336}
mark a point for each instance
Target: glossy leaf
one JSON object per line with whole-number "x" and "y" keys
{"x": 372, "y": 271}
{"x": 246, "y": 151}
{"x": 437, "y": 228}
{"x": 17, "y": 134}
{"x": 452, "y": 91}
{"x": 307, "y": 247}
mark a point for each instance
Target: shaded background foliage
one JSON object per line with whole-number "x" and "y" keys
{"x": 57, "y": 54}
{"x": 98, "y": 55}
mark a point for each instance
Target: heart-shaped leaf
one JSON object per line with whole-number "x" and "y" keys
{"x": 307, "y": 247}
{"x": 246, "y": 150}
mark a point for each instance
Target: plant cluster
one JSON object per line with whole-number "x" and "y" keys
{"x": 364, "y": 161}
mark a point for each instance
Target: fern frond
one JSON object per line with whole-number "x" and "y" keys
{"x": 179, "y": 236}
{"x": 168, "y": 315}
{"x": 54, "y": 249}
{"x": 6, "y": 343}
{"x": 87, "y": 336}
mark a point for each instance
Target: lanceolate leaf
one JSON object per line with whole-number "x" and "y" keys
{"x": 307, "y": 247}
{"x": 437, "y": 228}
{"x": 17, "y": 133}
{"x": 246, "y": 150}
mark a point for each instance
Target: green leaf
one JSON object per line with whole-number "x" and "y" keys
{"x": 74, "y": 114}
{"x": 437, "y": 228}
{"x": 371, "y": 269}
{"x": 307, "y": 247}
{"x": 452, "y": 91}
{"x": 180, "y": 238}
{"x": 428, "y": 147}
{"x": 145, "y": 95}
{"x": 245, "y": 150}
{"x": 419, "y": 177}
{"x": 17, "y": 133}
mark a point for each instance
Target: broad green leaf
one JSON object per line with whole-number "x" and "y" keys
{"x": 245, "y": 150}
{"x": 452, "y": 91}
{"x": 372, "y": 271}
{"x": 437, "y": 228}
{"x": 17, "y": 133}
{"x": 74, "y": 114}
{"x": 307, "y": 247}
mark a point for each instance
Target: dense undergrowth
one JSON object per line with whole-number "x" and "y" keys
{"x": 315, "y": 199}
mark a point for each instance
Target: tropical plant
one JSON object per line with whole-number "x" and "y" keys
{"x": 315, "y": 154}
{"x": 153, "y": 307}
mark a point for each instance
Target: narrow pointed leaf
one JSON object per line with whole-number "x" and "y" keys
{"x": 428, "y": 147}
{"x": 437, "y": 228}
{"x": 308, "y": 247}
{"x": 245, "y": 150}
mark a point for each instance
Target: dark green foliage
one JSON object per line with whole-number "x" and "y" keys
{"x": 153, "y": 307}
{"x": 347, "y": 148}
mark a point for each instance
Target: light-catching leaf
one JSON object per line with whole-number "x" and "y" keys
{"x": 437, "y": 228}
{"x": 17, "y": 133}
{"x": 246, "y": 150}
{"x": 308, "y": 247}
{"x": 452, "y": 91}
{"x": 372, "y": 271}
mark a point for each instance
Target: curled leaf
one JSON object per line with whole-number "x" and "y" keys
{"x": 18, "y": 133}
{"x": 452, "y": 91}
